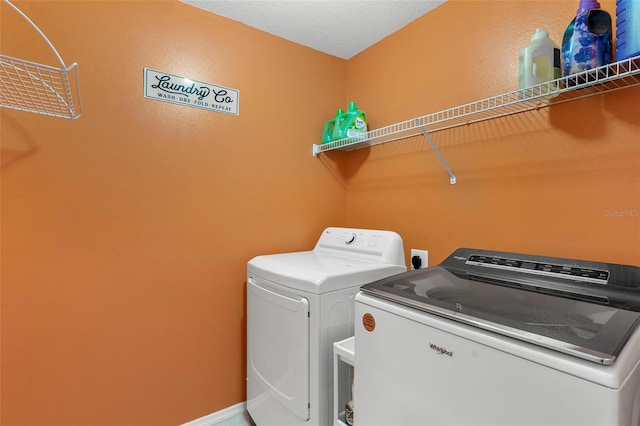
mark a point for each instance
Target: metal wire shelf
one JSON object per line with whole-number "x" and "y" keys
{"x": 607, "y": 78}
{"x": 41, "y": 89}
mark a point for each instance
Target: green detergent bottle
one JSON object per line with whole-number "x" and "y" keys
{"x": 352, "y": 123}
{"x": 329, "y": 126}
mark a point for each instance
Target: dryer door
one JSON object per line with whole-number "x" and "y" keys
{"x": 278, "y": 345}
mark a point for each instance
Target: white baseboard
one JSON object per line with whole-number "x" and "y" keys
{"x": 219, "y": 416}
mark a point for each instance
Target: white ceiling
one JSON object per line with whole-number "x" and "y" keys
{"x": 341, "y": 28}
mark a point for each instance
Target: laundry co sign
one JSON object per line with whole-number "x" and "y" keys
{"x": 165, "y": 87}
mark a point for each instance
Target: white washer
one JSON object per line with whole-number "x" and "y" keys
{"x": 298, "y": 304}
{"x": 495, "y": 338}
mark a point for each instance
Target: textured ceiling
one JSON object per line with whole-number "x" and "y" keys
{"x": 341, "y": 28}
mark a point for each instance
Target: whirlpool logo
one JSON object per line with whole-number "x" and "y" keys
{"x": 441, "y": 350}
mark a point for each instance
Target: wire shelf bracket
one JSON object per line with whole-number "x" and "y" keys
{"x": 38, "y": 88}
{"x": 452, "y": 177}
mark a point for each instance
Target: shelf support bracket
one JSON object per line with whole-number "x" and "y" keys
{"x": 452, "y": 177}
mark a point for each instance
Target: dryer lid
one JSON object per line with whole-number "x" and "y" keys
{"x": 342, "y": 258}
{"x": 316, "y": 272}
{"x": 570, "y": 317}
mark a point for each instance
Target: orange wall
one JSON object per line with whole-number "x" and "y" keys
{"x": 125, "y": 234}
{"x": 545, "y": 182}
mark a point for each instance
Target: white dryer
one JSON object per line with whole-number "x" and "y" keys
{"x": 298, "y": 304}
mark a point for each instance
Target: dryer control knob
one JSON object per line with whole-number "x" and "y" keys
{"x": 352, "y": 239}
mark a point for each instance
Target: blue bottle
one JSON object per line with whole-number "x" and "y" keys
{"x": 627, "y": 29}
{"x": 587, "y": 41}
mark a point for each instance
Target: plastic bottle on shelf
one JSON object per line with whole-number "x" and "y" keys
{"x": 329, "y": 126}
{"x": 587, "y": 41}
{"x": 627, "y": 29}
{"x": 352, "y": 123}
{"x": 539, "y": 61}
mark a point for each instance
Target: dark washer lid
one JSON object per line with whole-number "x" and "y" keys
{"x": 591, "y": 331}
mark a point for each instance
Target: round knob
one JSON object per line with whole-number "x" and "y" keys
{"x": 352, "y": 239}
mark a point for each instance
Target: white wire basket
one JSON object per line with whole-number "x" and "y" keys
{"x": 41, "y": 89}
